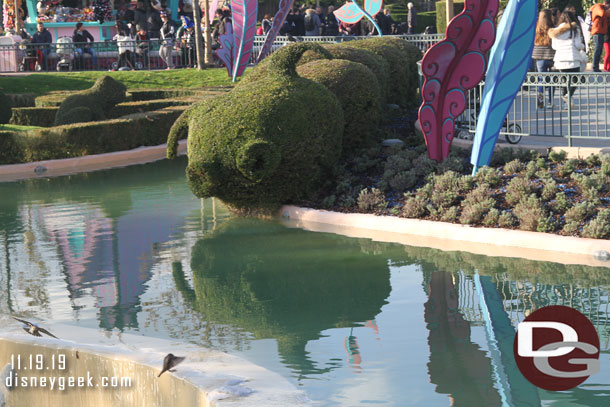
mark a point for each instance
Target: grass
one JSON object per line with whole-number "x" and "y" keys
{"x": 14, "y": 127}
{"x": 43, "y": 83}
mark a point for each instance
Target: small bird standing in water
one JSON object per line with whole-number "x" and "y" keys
{"x": 33, "y": 329}
{"x": 170, "y": 361}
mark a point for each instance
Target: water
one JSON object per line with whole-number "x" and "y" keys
{"x": 350, "y": 321}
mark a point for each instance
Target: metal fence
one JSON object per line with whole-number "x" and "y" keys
{"x": 569, "y": 105}
{"x": 153, "y": 54}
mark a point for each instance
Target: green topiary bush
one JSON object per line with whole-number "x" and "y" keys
{"x": 266, "y": 143}
{"x": 401, "y": 57}
{"x": 5, "y": 108}
{"x": 91, "y": 104}
{"x": 530, "y": 211}
{"x": 357, "y": 90}
{"x": 372, "y": 199}
{"x": 12, "y": 147}
{"x": 34, "y": 116}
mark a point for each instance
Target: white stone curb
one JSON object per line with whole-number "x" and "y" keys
{"x": 452, "y": 237}
{"x": 54, "y": 168}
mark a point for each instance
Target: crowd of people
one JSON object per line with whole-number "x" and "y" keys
{"x": 561, "y": 43}
{"x": 303, "y": 21}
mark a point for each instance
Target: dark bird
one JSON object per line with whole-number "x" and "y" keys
{"x": 34, "y": 329}
{"x": 169, "y": 362}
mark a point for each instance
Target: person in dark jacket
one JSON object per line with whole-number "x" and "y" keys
{"x": 42, "y": 36}
{"x": 412, "y": 18}
{"x": 81, "y": 38}
{"x": 167, "y": 40}
{"x": 332, "y": 25}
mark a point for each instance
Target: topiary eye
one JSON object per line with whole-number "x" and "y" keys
{"x": 258, "y": 159}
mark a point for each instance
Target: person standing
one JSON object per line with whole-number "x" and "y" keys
{"x": 167, "y": 40}
{"x": 412, "y": 18}
{"x": 81, "y": 37}
{"x": 332, "y": 25}
{"x": 543, "y": 53}
{"x": 599, "y": 14}
{"x": 43, "y": 36}
{"x": 566, "y": 40}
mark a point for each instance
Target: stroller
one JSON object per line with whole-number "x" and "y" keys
{"x": 65, "y": 53}
{"x": 32, "y": 57}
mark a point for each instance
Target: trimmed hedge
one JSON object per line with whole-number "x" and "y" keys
{"x": 5, "y": 108}
{"x": 266, "y": 143}
{"x": 80, "y": 139}
{"x": 401, "y": 57}
{"x": 441, "y": 14}
{"x": 34, "y": 116}
{"x": 93, "y": 104}
{"x": 22, "y": 99}
{"x": 126, "y": 108}
{"x": 357, "y": 90}
{"x": 52, "y": 99}
{"x": 375, "y": 63}
{"x": 155, "y": 94}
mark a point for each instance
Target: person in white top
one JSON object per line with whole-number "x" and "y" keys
{"x": 568, "y": 43}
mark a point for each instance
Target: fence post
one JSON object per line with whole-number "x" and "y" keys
{"x": 569, "y": 98}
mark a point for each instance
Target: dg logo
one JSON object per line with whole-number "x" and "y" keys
{"x": 556, "y": 348}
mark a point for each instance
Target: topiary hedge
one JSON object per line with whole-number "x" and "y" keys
{"x": 5, "y": 108}
{"x": 91, "y": 104}
{"x": 357, "y": 90}
{"x": 265, "y": 143}
{"x": 22, "y": 99}
{"x": 55, "y": 98}
{"x": 155, "y": 94}
{"x": 79, "y": 139}
{"x": 126, "y": 108}
{"x": 375, "y": 63}
{"x": 401, "y": 57}
{"x": 34, "y": 116}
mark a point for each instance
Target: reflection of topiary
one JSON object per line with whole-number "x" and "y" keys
{"x": 358, "y": 92}
{"x": 5, "y": 108}
{"x": 264, "y": 144}
{"x": 249, "y": 273}
{"x": 401, "y": 57}
{"x": 92, "y": 104}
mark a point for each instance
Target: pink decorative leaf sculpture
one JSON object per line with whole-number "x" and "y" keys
{"x": 225, "y": 52}
{"x": 278, "y": 22}
{"x": 244, "y": 30}
{"x": 450, "y": 68}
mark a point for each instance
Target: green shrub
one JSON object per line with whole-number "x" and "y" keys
{"x": 506, "y": 220}
{"x": 357, "y": 90}
{"x": 12, "y": 147}
{"x": 5, "y": 108}
{"x": 136, "y": 95}
{"x": 513, "y": 167}
{"x": 52, "y": 99}
{"x": 123, "y": 109}
{"x": 517, "y": 189}
{"x": 449, "y": 214}
{"x": 593, "y": 160}
{"x": 22, "y": 99}
{"x": 375, "y": 63}
{"x": 558, "y": 156}
{"x": 549, "y": 191}
{"x": 476, "y": 205}
{"x": 415, "y": 207}
{"x": 492, "y": 218}
{"x": 546, "y": 225}
{"x": 562, "y": 203}
{"x": 91, "y": 104}
{"x": 34, "y": 116}
{"x": 441, "y": 14}
{"x": 81, "y": 139}
{"x": 579, "y": 212}
{"x": 599, "y": 227}
{"x": 401, "y": 57}
{"x": 530, "y": 212}
{"x": 488, "y": 175}
{"x": 265, "y": 143}
{"x": 567, "y": 168}
{"x": 371, "y": 200}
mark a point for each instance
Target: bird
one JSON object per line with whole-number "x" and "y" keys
{"x": 33, "y": 329}
{"x": 169, "y": 362}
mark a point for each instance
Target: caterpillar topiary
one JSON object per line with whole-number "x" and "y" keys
{"x": 276, "y": 137}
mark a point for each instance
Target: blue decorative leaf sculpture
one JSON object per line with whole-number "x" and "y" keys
{"x": 508, "y": 63}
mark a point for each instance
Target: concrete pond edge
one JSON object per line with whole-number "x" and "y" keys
{"x": 453, "y": 237}
{"x": 88, "y": 163}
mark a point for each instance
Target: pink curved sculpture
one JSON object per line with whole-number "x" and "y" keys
{"x": 450, "y": 68}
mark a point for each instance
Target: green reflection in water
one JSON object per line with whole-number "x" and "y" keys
{"x": 283, "y": 283}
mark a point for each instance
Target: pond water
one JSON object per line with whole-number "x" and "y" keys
{"x": 351, "y": 322}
